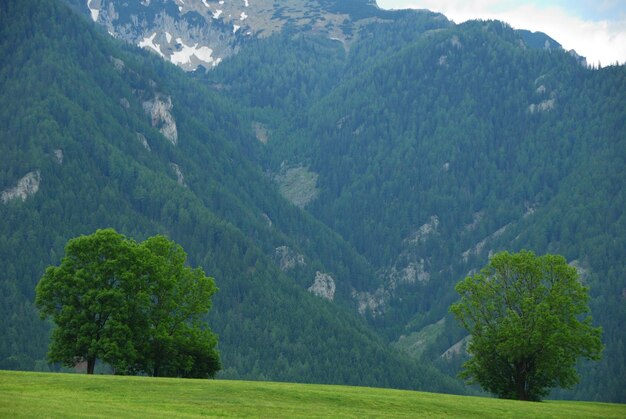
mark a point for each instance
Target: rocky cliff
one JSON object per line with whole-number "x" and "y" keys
{"x": 201, "y": 33}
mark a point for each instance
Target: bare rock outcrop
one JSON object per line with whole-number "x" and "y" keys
{"x": 58, "y": 155}
{"x": 298, "y": 185}
{"x": 180, "y": 178}
{"x": 373, "y": 303}
{"x": 144, "y": 141}
{"x": 544, "y": 106}
{"x": 159, "y": 109}
{"x": 323, "y": 286}
{"x": 287, "y": 259}
{"x": 26, "y": 186}
{"x": 457, "y": 349}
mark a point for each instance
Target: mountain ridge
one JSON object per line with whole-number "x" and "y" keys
{"x": 201, "y": 33}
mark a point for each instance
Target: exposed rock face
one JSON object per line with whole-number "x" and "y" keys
{"x": 159, "y": 109}
{"x": 26, "y": 186}
{"x": 287, "y": 259}
{"x": 58, "y": 155}
{"x": 298, "y": 185}
{"x": 476, "y": 219}
{"x": 410, "y": 267}
{"x": 416, "y": 343}
{"x": 479, "y": 247}
{"x": 144, "y": 141}
{"x": 323, "y": 286}
{"x": 546, "y": 105}
{"x": 581, "y": 60}
{"x": 373, "y": 303}
{"x": 197, "y": 34}
{"x": 457, "y": 349}
{"x": 267, "y": 219}
{"x": 424, "y": 231}
{"x": 118, "y": 64}
{"x": 179, "y": 174}
{"x": 261, "y": 132}
{"x": 414, "y": 272}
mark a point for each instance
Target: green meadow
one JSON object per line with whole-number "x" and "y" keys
{"x": 39, "y": 395}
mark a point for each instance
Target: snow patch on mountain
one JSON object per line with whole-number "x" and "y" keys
{"x": 93, "y": 10}
{"x": 149, "y": 43}
{"x": 185, "y": 56}
{"x": 213, "y": 30}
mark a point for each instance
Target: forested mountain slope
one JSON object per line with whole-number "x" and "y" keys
{"x": 416, "y": 150}
{"x": 97, "y": 134}
{"x": 436, "y": 144}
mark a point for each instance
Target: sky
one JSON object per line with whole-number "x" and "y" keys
{"x": 595, "y": 29}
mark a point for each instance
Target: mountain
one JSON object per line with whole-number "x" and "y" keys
{"x": 97, "y": 133}
{"x": 337, "y": 182}
{"x": 434, "y": 145}
{"x": 201, "y": 33}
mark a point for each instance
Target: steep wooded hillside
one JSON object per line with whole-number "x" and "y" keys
{"x": 98, "y": 134}
{"x": 436, "y": 144}
{"x": 337, "y": 189}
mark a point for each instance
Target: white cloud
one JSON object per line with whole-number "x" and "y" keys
{"x": 600, "y": 40}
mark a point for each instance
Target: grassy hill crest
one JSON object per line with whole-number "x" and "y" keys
{"x": 25, "y": 394}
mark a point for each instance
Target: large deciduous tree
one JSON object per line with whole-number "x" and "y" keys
{"x": 135, "y": 306}
{"x": 529, "y": 324}
{"x": 178, "y": 344}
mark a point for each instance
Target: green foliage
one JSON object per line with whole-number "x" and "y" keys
{"x": 527, "y": 317}
{"x": 134, "y": 306}
{"x": 178, "y": 343}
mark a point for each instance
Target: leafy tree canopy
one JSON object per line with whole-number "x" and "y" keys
{"x": 135, "y": 306}
{"x": 528, "y": 319}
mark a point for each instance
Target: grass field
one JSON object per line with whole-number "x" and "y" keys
{"x": 38, "y": 395}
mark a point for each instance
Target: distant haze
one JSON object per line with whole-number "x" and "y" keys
{"x": 596, "y": 29}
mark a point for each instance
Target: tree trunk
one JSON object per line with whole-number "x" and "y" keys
{"x": 91, "y": 363}
{"x": 520, "y": 380}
